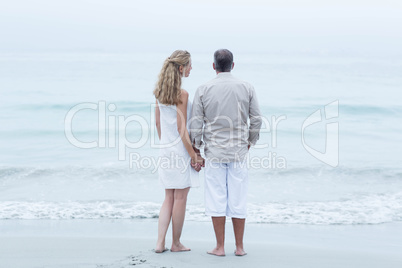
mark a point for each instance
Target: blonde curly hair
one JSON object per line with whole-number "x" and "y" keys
{"x": 168, "y": 87}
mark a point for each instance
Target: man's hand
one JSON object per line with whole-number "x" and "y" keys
{"x": 197, "y": 162}
{"x": 196, "y": 150}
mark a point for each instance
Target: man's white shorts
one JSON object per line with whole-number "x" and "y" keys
{"x": 226, "y": 186}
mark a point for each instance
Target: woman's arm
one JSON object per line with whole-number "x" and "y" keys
{"x": 158, "y": 119}
{"x": 181, "y": 127}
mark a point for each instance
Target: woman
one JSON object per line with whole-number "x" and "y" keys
{"x": 172, "y": 112}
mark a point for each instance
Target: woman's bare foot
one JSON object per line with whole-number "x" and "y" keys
{"x": 160, "y": 247}
{"x": 240, "y": 252}
{"x": 179, "y": 248}
{"x": 161, "y": 250}
{"x": 217, "y": 252}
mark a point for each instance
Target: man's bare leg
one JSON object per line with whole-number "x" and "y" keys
{"x": 219, "y": 228}
{"x": 238, "y": 227}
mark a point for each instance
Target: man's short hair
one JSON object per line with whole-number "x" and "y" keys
{"x": 223, "y": 60}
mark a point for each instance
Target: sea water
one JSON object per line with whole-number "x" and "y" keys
{"x": 77, "y": 137}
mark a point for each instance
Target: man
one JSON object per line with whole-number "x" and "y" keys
{"x": 223, "y": 106}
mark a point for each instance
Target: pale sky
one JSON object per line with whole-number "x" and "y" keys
{"x": 123, "y": 25}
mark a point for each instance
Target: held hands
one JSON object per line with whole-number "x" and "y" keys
{"x": 197, "y": 162}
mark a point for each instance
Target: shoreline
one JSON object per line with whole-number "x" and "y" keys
{"x": 124, "y": 243}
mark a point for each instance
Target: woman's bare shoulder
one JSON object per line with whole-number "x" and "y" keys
{"x": 184, "y": 92}
{"x": 184, "y": 95}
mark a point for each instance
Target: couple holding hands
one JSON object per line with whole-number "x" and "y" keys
{"x": 224, "y": 120}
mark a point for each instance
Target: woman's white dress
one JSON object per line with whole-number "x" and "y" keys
{"x": 175, "y": 171}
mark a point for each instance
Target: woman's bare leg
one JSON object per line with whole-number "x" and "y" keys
{"x": 164, "y": 219}
{"x": 179, "y": 211}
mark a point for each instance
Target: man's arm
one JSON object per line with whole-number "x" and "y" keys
{"x": 255, "y": 119}
{"x": 197, "y": 120}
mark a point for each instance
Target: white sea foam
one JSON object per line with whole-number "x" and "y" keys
{"x": 371, "y": 209}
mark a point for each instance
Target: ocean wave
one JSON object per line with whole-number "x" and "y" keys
{"x": 297, "y": 195}
{"x": 351, "y": 173}
{"x": 120, "y": 106}
{"x": 109, "y": 171}
{"x": 344, "y": 109}
{"x": 267, "y": 110}
{"x": 25, "y": 171}
{"x": 77, "y": 210}
{"x": 371, "y": 209}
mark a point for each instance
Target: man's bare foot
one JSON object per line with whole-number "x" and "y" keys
{"x": 179, "y": 248}
{"x": 240, "y": 252}
{"x": 217, "y": 252}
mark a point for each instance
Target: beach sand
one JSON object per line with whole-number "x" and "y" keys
{"x": 129, "y": 243}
